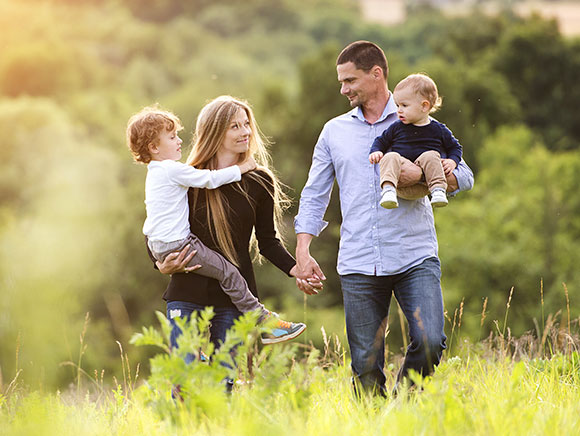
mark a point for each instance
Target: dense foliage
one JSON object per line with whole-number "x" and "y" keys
{"x": 71, "y": 210}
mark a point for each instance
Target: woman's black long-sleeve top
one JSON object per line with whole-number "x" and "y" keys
{"x": 243, "y": 218}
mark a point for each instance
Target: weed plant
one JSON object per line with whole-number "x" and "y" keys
{"x": 500, "y": 385}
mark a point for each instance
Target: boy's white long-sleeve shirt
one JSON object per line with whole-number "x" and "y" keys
{"x": 166, "y": 188}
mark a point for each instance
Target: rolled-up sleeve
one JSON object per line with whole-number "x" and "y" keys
{"x": 464, "y": 177}
{"x": 316, "y": 193}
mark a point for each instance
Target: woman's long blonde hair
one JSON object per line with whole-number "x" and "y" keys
{"x": 212, "y": 125}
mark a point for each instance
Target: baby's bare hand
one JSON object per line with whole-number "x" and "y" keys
{"x": 448, "y": 166}
{"x": 375, "y": 157}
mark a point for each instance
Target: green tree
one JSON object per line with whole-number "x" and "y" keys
{"x": 517, "y": 227}
{"x": 542, "y": 70}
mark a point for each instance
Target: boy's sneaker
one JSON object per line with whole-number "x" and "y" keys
{"x": 283, "y": 331}
{"x": 439, "y": 199}
{"x": 389, "y": 199}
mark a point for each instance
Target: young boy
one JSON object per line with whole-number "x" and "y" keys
{"x": 418, "y": 138}
{"x": 153, "y": 140}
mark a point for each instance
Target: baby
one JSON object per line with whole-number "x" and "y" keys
{"x": 418, "y": 138}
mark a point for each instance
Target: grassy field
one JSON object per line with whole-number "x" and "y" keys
{"x": 502, "y": 385}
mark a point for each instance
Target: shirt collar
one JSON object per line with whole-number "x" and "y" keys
{"x": 390, "y": 108}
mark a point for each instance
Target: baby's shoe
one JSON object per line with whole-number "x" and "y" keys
{"x": 439, "y": 198}
{"x": 389, "y": 199}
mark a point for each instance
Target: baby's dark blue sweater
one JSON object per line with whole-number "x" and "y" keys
{"x": 410, "y": 141}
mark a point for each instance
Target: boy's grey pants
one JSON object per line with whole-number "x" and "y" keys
{"x": 215, "y": 266}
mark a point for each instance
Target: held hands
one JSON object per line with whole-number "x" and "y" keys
{"x": 248, "y": 165}
{"x": 177, "y": 262}
{"x": 375, "y": 157}
{"x": 448, "y": 166}
{"x": 308, "y": 274}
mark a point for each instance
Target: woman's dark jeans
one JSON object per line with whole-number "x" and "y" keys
{"x": 222, "y": 320}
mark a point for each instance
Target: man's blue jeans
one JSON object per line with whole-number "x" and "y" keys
{"x": 223, "y": 319}
{"x": 366, "y": 306}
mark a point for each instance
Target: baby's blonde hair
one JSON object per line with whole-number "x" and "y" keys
{"x": 423, "y": 85}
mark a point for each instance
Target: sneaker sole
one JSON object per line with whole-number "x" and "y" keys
{"x": 268, "y": 341}
{"x": 390, "y": 205}
{"x": 439, "y": 203}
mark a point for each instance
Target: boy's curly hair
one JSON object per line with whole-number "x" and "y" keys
{"x": 144, "y": 128}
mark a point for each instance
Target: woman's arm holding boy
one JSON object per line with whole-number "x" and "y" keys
{"x": 174, "y": 262}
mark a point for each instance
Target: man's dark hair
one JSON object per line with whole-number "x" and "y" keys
{"x": 364, "y": 55}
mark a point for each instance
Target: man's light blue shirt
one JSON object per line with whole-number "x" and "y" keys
{"x": 373, "y": 240}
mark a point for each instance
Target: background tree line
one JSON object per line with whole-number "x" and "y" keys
{"x": 71, "y": 201}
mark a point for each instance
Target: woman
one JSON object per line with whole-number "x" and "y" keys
{"x": 225, "y": 218}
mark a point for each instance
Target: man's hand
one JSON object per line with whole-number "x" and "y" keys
{"x": 448, "y": 166}
{"x": 375, "y": 157}
{"x": 411, "y": 174}
{"x": 310, "y": 286}
{"x": 177, "y": 262}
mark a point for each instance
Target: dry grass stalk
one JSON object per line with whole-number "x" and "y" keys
{"x": 567, "y": 304}
{"x": 507, "y": 309}
{"x": 554, "y": 340}
{"x": 483, "y": 314}
{"x": 82, "y": 349}
{"x": 453, "y": 326}
{"x": 542, "y": 300}
{"x": 326, "y": 343}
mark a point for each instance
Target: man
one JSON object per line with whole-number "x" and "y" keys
{"x": 371, "y": 269}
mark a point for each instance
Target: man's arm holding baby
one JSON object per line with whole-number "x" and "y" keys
{"x": 461, "y": 179}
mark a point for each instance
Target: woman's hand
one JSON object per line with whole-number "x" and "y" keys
{"x": 177, "y": 262}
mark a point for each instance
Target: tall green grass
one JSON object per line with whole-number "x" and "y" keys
{"x": 500, "y": 385}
